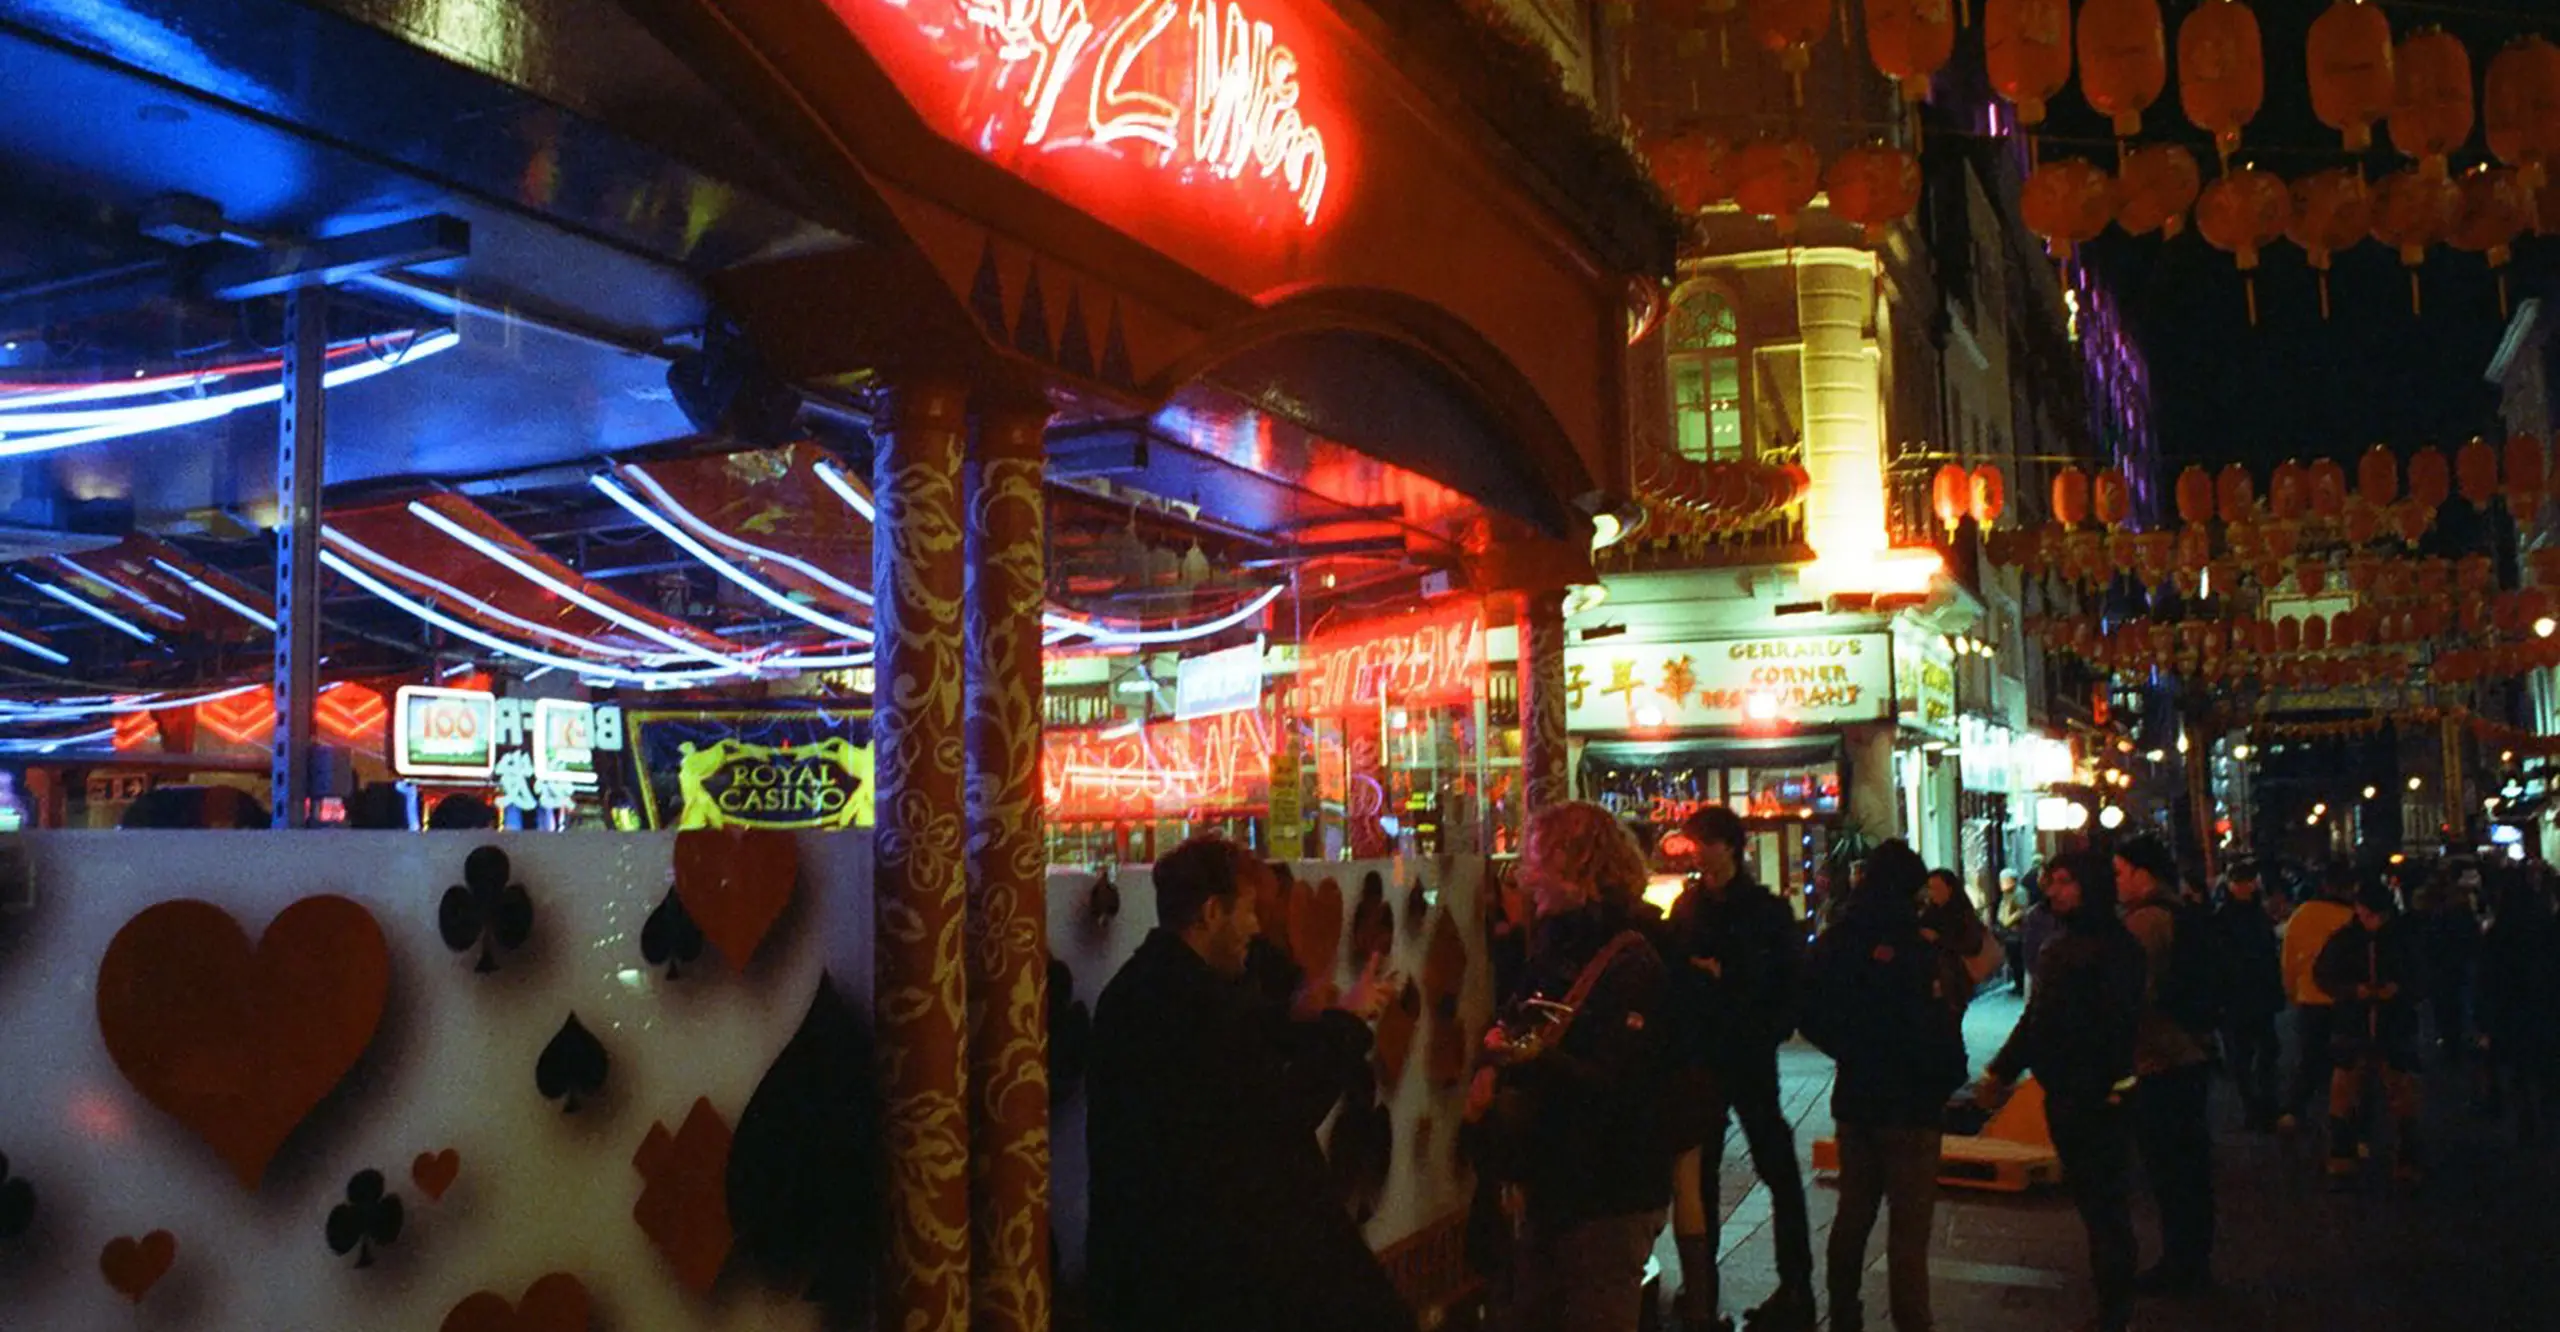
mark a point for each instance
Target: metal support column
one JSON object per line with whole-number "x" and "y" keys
{"x": 301, "y": 439}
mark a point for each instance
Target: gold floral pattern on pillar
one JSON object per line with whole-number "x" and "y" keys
{"x": 1008, "y": 946}
{"x": 920, "y": 877}
{"x": 1542, "y": 743}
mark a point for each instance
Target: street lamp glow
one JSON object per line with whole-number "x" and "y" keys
{"x": 2319, "y": 809}
{"x": 2416, "y": 783}
{"x": 2369, "y": 793}
{"x": 2111, "y": 817}
{"x": 2241, "y": 752}
{"x": 2182, "y": 742}
{"x": 2545, "y": 627}
{"x": 2155, "y": 755}
{"x": 2312, "y": 820}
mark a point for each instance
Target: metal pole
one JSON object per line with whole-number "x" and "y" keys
{"x": 301, "y": 436}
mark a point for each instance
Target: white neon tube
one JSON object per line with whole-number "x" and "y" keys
{"x": 1185, "y": 634}
{"x": 854, "y": 496}
{"x": 658, "y": 493}
{"x": 33, "y": 648}
{"x": 420, "y": 510}
{"x": 91, "y": 706}
{"x": 762, "y": 591}
{"x": 448, "y": 590}
{"x": 91, "y": 609}
{"x": 30, "y": 745}
{"x": 96, "y": 425}
{"x": 127, "y": 593}
{"x": 460, "y": 629}
{"x": 217, "y": 596}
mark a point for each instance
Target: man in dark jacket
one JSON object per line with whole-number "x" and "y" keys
{"x": 2253, "y": 994}
{"x": 2171, "y": 1120}
{"x": 1875, "y": 1001}
{"x": 1734, "y": 952}
{"x": 2372, "y": 968}
{"x": 1209, "y": 1202}
{"x": 2077, "y": 1037}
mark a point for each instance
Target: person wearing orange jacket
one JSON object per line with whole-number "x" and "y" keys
{"x": 2306, "y": 932}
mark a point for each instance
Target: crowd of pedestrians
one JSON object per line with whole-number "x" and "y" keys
{"x": 1630, "y": 1041}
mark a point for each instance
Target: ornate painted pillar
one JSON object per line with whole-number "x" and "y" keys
{"x": 919, "y": 875}
{"x": 1542, "y": 743}
{"x": 1008, "y": 937}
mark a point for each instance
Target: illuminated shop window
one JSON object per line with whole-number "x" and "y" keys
{"x": 1707, "y": 385}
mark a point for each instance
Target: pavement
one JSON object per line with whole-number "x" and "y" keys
{"x": 2475, "y": 1249}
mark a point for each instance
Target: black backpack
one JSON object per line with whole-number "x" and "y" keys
{"x": 2193, "y": 986}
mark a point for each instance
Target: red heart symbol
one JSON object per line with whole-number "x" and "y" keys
{"x": 735, "y": 882}
{"x": 133, "y": 1266}
{"x": 556, "y": 1303}
{"x": 240, "y": 1043}
{"x": 433, "y": 1172}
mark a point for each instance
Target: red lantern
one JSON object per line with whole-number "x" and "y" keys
{"x": 2156, "y": 184}
{"x": 1775, "y": 179}
{"x": 2235, "y": 493}
{"x": 2241, "y": 212}
{"x": 2494, "y": 211}
{"x": 2527, "y": 476}
{"x": 1874, "y": 186}
{"x": 2431, "y": 109}
{"x": 1693, "y": 168}
{"x": 2195, "y": 548}
{"x": 2332, "y": 211}
{"x": 2285, "y": 497}
{"x": 2195, "y": 496}
{"x": 2070, "y": 496}
{"x": 2068, "y": 202}
{"x": 2315, "y": 634}
{"x": 2309, "y": 577}
{"x": 1790, "y": 28}
{"x": 2476, "y": 467}
{"x": 2430, "y": 480}
{"x": 1910, "y": 41}
{"x": 2328, "y": 488}
{"x": 2520, "y": 104}
{"x": 2124, "y": 59}
{"x": 2026, "y": 45}
{"x": 2110, "y": 500}
{"x": 2222, "y": 74}
{"x": 2378, "y": 476}
{"x": 1990, "y": 494}
{"x": 1947, "y": 495}
{"x": 2411, "y": 211}
{"x": 2352, "y": 81}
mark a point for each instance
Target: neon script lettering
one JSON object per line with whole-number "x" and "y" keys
{"x": 1232, "y": 110}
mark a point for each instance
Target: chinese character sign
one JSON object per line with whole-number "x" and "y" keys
{"x": 1745, "y": 683}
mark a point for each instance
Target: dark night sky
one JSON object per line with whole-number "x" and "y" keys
{"x": 2295, "y": 385}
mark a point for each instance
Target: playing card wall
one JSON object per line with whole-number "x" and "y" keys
{"x": 538, "y": 1112}
{"x": 1452, "y": 999}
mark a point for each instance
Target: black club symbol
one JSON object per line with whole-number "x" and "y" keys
{"x": 670, "y": 938}
{"x": 17, "y": 1203}
{"x": 368, "y": 1217}
{"x": 486, "y": 909}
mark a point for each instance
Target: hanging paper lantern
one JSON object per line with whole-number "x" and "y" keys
{"x": 2364, "y": 523}
{"x": 2378, "y": 476}
{"x": 2240, "y": 213}
{"x": 2234, "y": 493}
{"x": 2195, "y": 548}
{"x": 2411, "y": 211}
{"x": 2328, "y": 485}
{"x": 2285, "y": 491}
{"x": 2431, "y": 109}
{"x": 1910, "y": 41}
{"x": 2309, "y": 577}
{"x": 2124, "y": 59}
{"x": 1990, "y": 494}
{"x": 1775, "y": 178}
{"x": 1874, "y": 186}
{"x": 1789, "y": 28}
{"x": 2222, "y": 74}
{"x": 2289, "y": 634}
{"x": 1947, "y": 495}
{"x": 2493, "y": 212}
{"x": 2110, "y": 499}
{"x": 2068, "y": 202}
{"x": 1693, "y": 168}
{"x": 2315, "y": 635}
{"x": 2195, "y": 496}
{"x": 2520, "y": 107}
{"x": 2430, "y": 480}
{"x": 2527, "y": 476}
{"x": 2156, "y": 184}
{"x": 2352, "y": 80}
{"x": 2475, "y": 466}
{"x": 2332, "y": 211}
{"x": 2026, "y": 45}
{"x": 2070, "y": 496}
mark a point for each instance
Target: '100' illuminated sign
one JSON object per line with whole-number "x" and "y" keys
{"x": 1190, "y": 85}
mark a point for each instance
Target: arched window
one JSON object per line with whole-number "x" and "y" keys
{"x": 1709, "y": 390}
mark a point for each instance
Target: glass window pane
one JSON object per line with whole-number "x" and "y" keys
{"x": 1724, "y": 406}
{"x": 1689, "y": 410}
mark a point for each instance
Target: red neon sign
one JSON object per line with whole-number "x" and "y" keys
{"x": 1213, "y": 764}
{"x": 1427, "y": 660}
{"x": 1084, "y": 96}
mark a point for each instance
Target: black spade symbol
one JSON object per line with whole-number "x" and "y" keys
{"x": 17, "y": 1203}
{"x": 572, "y": 1066}
{"x": 670, "y": 938}
{"x": 486, "y": 909}
{"x": 803, "y": 1181}
{"x": 368, "y": 1217}
{"x": 1070, "y": 1033}
{"x": 1373, "y": 922}
{"x": 1416, "y": 904}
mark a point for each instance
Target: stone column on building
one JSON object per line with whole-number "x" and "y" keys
{"x": 1875, "y": 799}
{"x": 1843, "y": 407}
{"x": 1008, "y": 951}
{"x": 1544, "y": 780}
{"x": 919, "y": 874}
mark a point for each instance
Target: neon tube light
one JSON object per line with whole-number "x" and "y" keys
{"x": 762, "y": 591}
{"x": 658, "y": 493}
{"x": 1184, "y": 634}
{"x": 91, "y": 609}
{"x": 848, "y": 490}
{"x": 93, "y": 705}
{"x": 24, "y": 393}
{"x": 217, "y": 596}
{"x": 33, "y": 648}
{"x": 420, "y": 510}
{"x": 94, "y": 426}
{"x": 448, "y": 590}
{"x": 127, "y": 593}
{"x": 30, "y": 745}
{"x": 460, "y": 629}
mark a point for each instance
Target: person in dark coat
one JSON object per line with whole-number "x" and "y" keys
{"x": 2520, "y": 1001}
{"x": 1570, "y": 1102}
{"x": 1875, "y": 1001}
{"x": 2077, "y": 1037}
{"x": 2375, "y": 970}
{"x": 2253, "y": 994}
{"x": 1210, "y": 1207}
{"x": 1948, "y": 919}
{"x": 1734, "y": 952}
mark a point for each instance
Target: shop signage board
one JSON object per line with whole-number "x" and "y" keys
{"x": 1218, "y": 682}
{"x": 117, "y": 788}
{"x": 444, "y": 732}
{"x": 1771, "y": 684}
{"x": 754, "y": 768}
{"x": 566, "y": 736}
{"x": 1430, "y": 659}
{"x": 1213, "y": 765}
{"x": 1924, "y": 681}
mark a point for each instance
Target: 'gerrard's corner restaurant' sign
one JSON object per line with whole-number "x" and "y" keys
{"x": 1742, "y": 683}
